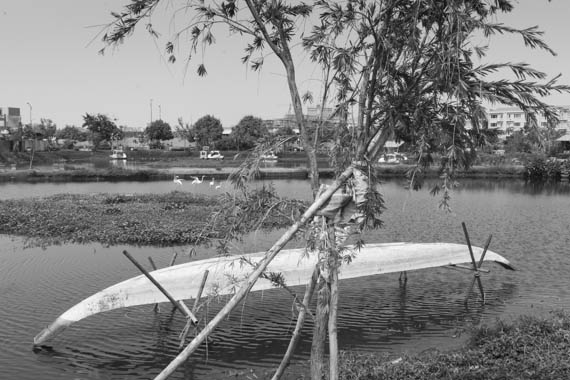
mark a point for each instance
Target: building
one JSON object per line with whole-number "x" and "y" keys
{"x": 312, "y": 116}
{"x": 512, "y": 119}
{"x": 10, "y": 119}
{"x": 507, "y": 119}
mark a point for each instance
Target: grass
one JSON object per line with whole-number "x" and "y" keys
{"x": 175, "y": 218}
{"x": 530, "y": 348}
{"x": 154, "y": 219}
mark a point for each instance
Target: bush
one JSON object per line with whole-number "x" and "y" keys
{"x": 542, "y": 169}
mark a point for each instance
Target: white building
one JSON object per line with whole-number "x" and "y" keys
{"x": 512, "y": 119}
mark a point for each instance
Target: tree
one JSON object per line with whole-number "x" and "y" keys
{"x": 48, "y": 129}
{"x": 158, "y": 131}
{"x": 70, "y": 132}
{"x": 405, "y": 67}
{"x": 102, "y": 128}
{"x": 184, "y": 130}
{"x": 207, "y": 130}
{"x": 248, "y": 131}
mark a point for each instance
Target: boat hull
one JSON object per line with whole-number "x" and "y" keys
{"x": 226, "y": 273}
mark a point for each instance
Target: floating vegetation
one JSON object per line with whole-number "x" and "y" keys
{"x": 176, "y": 218}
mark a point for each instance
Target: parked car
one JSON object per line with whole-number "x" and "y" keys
{"x": 211, "y": 155}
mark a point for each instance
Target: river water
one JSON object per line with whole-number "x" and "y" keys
{"x": 530, "y": 227}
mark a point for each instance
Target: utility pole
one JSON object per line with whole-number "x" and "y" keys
{"x": 151, "y": 111}
{"x": 159, "y": 112}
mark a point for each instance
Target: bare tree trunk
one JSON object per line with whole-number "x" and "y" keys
{"x": 320, "y": 330}
{"x": 301, "y": 122}
{"x": 300, "y": 321}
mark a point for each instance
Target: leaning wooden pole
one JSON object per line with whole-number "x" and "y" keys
{"x": 252, "y": 278}
{"x": 177, "y": 304}
{"x": 333, "y": 306}
{"x": 300, "y": 322}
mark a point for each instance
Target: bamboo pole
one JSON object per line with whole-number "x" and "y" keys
{"x": 156, "y": 308}
{"x": 186, "y": 329}
{"x": 300, "y": 321}
{"x": 478, "y": 269}
{"x": 200, "y": 290}
{"x": 173, "y": 259}
{"x": 477, "y": 275}
{"x": 179, "y": 305}
{"x": 152, "y": 263}
{"x": 333, "y": 306}
{"x": 252, "y": 278}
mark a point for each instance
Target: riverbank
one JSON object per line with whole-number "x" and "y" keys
{"x": 221, "y": 171}
{"x": 530, "y": 348}
{"x": 155, "y": 165}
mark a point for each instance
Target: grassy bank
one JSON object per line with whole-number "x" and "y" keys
{"x": 529, "y": 348}
{"x": 478, "y": 171}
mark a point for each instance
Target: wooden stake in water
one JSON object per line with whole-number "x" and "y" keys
{"x": 156, "y": 307}
{"x": 476, "y": 266}
{"x": 177, "y": 304}
{"x": 186, "y": 329}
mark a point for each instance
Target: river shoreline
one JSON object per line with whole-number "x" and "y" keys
{"x": 61, "y": 174}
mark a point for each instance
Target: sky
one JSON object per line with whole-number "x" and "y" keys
{"x": 49, "y": 65}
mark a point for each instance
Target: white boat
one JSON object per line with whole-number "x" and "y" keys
{"x": 226, "y": 273}
{"x": 269, "y": 157}
{"x": 118, "y": 154}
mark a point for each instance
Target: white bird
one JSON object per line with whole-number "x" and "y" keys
{"x": 212, "y": 182}
{"x": 218, "y": 187}
{"x": 177, "y": 180}
{"x": 198, "y": 180}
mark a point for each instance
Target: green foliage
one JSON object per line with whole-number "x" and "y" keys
{"x": 531, "y": 348}
{"x": 102, "y": 128}
{"x": 417, "y": 81}
{"x": 248, "y": 131}
{"x": 541, "y": 169}
{"x": 159, "y": 130}
{"x": 207, "y": 131}
{"x": 251, "y": 211}
{"x": 518, "y": 142}
{"x": 47, "y": 128}
{"x": 71, "y": 132}
{"x": 176, "y": 218}
{"x": 184, "y": 131}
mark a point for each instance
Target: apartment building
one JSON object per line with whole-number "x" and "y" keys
{"x": 512, "y": 119}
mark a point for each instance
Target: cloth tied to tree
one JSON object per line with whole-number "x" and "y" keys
{"x": 342, "y": 208}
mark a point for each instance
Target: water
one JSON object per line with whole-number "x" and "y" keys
{"x": 530, "y": 226}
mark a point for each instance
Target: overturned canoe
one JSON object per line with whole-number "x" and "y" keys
{"x": 225, "y": 274}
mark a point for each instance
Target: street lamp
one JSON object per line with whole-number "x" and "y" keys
{"x": 33, "y": 146}
{"x": 28, "y": 103}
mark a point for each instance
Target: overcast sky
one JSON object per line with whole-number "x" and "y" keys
{"x": 49, "y": 59}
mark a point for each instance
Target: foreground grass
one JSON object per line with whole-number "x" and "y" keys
{"x": 530, "y": 348}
